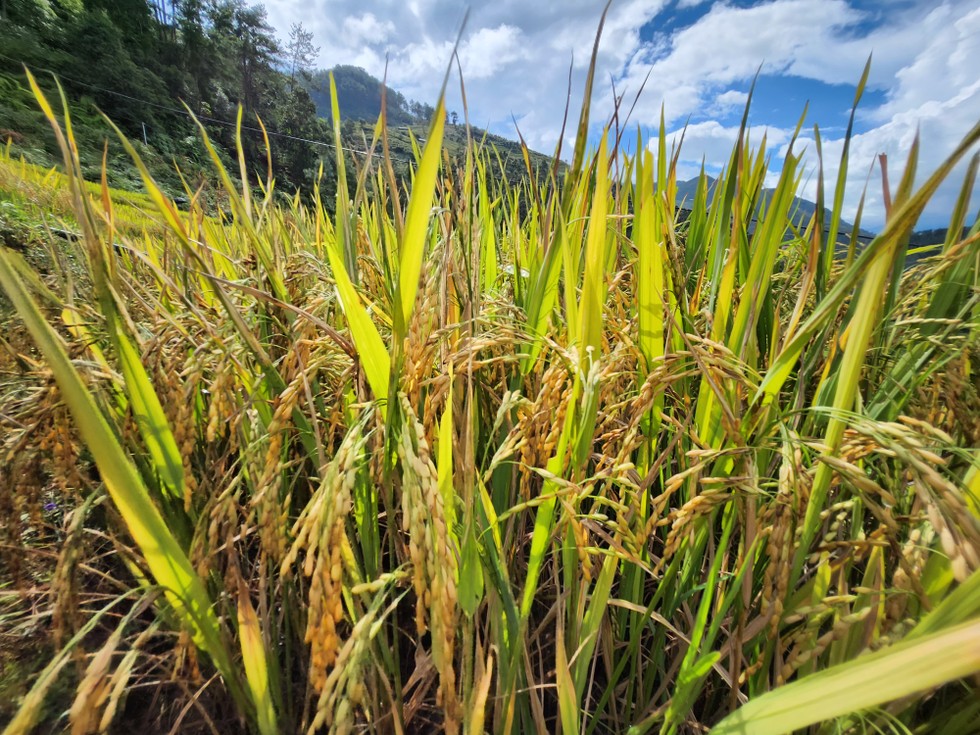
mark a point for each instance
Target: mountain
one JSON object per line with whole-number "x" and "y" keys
{"x": 937, "y": 236}
{"x": 359, "y": 97}
{"x": 803, "y": 208}
{"x": 508, "y": 162}
{"x": 359, "y": 100}
{"x": 141, "y": 66}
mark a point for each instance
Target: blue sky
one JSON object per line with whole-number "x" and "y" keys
{"x": 699, "y": 58}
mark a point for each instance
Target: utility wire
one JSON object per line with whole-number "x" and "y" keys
{"x": 206, "y": 118}
{"x": 216, "y": 121}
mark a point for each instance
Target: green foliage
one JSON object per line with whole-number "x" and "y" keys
{"x": 136, "y": 64}
{"x": 139, "y": 65}
{"x": 360, "y": 95}
{"x": 482, "y": 456}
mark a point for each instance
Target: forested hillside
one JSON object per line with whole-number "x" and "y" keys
{"x": 148, "y": 64}
{"x": 139, "y": 62}
{"x": 360, "y": 97}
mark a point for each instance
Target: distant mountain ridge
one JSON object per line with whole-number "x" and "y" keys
{"x": 803, "y": 208}
{"x": 359, "y": 100}
{"x": 359, "y": 97}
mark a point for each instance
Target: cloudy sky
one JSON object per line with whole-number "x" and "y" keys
{"x": 698, "y": 58}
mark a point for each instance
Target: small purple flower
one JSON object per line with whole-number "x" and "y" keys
{"x": 50, "y": 506}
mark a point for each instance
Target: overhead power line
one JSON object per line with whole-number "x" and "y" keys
{"x": 205, "y": 118}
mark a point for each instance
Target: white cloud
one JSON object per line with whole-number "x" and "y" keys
{"x": 515, "y": 55}
{"x": 715, "y": 141}
{"x": 728, "y": 101}
{"x": 924, "y": 62}
{"x": 516, "y": 58}
{"x": 366, "y": 30}
{"x": 490, "y": 49}
{"x": 937, "y": 95}
{"x": 729, "y": 44}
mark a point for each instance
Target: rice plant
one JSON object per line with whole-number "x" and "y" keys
{"x": 469, "y": 457}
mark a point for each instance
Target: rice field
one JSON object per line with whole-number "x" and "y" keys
{"x": 471, "y": 457}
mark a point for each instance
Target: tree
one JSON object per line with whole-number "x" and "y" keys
{"x": 300, "y": 51}
{"x": 141, "y": 57}
{"x": 454, "y": 117}
{"x": 194, "y": 47}
{"x": 421, "y": 112}
{"x": 133, "y": 18}
{"x": 242, "y": 33}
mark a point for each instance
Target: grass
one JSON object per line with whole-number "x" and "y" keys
{"x": 485, "y": 457}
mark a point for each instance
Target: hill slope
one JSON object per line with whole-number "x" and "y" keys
{"x": 359, "y": 99}
{"x": 803, "y": 209}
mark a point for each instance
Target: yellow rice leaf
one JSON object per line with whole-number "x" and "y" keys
{"x": 256, "y": 661}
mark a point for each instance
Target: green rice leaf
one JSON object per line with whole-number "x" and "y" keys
{"x": 416, "y": 235}
{"x": 149, "y": 416}
{"x": 891, "y": 673}
{"x": 371, "y": 349}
